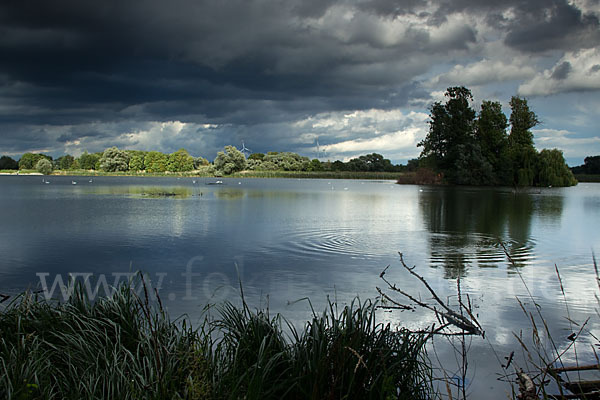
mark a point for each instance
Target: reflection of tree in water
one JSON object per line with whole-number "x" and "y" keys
{"x": 466, "y": 225}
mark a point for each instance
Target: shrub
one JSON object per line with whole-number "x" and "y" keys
{"x": 44, "y": 166}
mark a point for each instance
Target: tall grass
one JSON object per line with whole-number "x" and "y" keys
{"x": 338, "y": 355}
{"x": 117, "y": 347}
{"x": 124, "y": 347}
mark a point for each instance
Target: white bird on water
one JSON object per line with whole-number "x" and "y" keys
{"x": 73, "y": 183}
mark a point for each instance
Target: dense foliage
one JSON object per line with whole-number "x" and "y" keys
{"x": 89, "y": 161}
{"x": 7, "y": 162}
{"x": 590, "y": 166}
{"x": 475, "y": 149}
{"x": 29, "y": 160}
{"x": 121, "y": 347}
{"x": 229, "y": 161}
{"x": 44, "y": 166}
{"x": 114, "y": 160}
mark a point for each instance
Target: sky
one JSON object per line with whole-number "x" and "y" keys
{"x": 354, "y": 76}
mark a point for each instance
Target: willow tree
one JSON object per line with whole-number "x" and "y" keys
{"x": 229, "y": 161}
{"x": 114, "y": 159}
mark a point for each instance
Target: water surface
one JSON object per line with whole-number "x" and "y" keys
{"x": 288, "y": 239}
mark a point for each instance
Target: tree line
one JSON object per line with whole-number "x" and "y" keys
{"x": 228, "y": 161}
{"x": 232, "y": 160}
{"x": 473, "y": 148}
{"x": 590, "y": 166}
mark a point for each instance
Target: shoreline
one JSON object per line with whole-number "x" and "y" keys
{"x": 242, "y": 174}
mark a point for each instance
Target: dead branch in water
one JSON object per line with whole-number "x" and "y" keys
{"x": 462, "y": 319}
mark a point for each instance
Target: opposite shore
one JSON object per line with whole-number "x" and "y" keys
{"x": 400, "y": 177}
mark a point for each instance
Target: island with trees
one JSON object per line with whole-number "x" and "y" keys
{"x": 469, "y": 148}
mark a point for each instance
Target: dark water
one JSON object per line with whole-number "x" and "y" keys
{"x": 288, "y": 239}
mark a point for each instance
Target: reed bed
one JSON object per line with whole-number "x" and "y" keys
{"x": 124, "y": 346}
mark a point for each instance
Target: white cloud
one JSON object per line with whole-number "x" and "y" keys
{"x": 571, "y": 145}
{"x": 393, "y": 141}
{"x": 575, "y": 71}
{"x": 484, "y": 72}
{"x": 345, "y": 135}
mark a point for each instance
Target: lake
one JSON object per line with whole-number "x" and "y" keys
{"x": 287, "y": 240}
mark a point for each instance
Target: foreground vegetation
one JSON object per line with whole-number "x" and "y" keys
{"x": 123, "y": 347}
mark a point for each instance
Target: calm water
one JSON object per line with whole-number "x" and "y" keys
{"x": 290, "y": 239}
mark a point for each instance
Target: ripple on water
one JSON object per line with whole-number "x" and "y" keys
{"x": 453, "y": 249}
{"x": 311, "y": 242}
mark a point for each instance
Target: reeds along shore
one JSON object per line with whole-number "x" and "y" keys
{"x": 123, "y": 347}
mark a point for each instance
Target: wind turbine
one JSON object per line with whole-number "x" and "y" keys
{"x": 245, "y": 150}
{"x": 320, "y": 154}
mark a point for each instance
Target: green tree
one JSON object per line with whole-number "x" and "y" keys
{"x": 412, "y": 165}
{"x": 156, "y": 161}
{"x": 552, "y": 169}
{"x": 180, "y": 161}
{"x": 65, "y": 162}
{"x": 29, "y": 160}
{"x": 113, "y": 160}
{"x": 200, "y": 162}
{"x": 229, "y": 161}
{"x": 490, "y": 132}
{"x": 338, "y": 165}
{"x": 315, "y": 165}
{"x": 522, "y": 119}
{"x": 256, "y": 156}
{"x": 7, "y": 162}
{"x": 436, "y": 145}
{"x": 451, "y": 132}
{"x": 591, "y": 165}
{"x": 471, "y": 167}
{"x": 136, "y": 162}
{"x": 44, "y": 166}
{"x": 285, "y": 161}
{"x": 522, "y": 152}
{"x": 88, "y": 161}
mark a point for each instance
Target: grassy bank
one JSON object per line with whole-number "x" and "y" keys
{"x": 205, "y": 173}
{"x": 319, "y": 175}
{"x": 123, "y": 347}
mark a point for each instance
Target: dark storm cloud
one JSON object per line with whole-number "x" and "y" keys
{"x": 540, "y": 26}
{"x": 240, "y": 64}
{"x": 562, "y": 71}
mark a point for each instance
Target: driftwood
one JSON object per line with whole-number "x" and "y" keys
{"x": 462, "y": 319}
{"x": 526, "y": 387}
